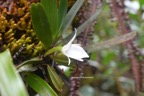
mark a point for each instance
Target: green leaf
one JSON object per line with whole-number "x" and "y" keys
{"x": 31, "y": 61}
{"x": 111, "y": 42}
{"x": 71, "y": 14}
{"x": 50, "y": 7}
{"x": 141, "y": 2}
{"x": 39, "y": 85}
{"x": 62, "y": 11}
{"x": 82, "y": 27}
{"x": 57, "y": 82}
{"x": 40, "y": 24}
{"x": 27, "y": 68}
{"x": 28, "y": 65}
{"x": 90, "y": 20}
{"x": 11, "y": 83}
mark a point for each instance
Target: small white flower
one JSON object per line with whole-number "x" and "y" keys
{"x": 74, "y": 51}
{"x": 132, "y": 6}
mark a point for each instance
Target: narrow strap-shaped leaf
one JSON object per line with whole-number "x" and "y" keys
{"x": 71, "y": 14}
{"x": 57, "y": 82}
{"x": 88, "y": 22}
{"x": 62, "y": 11}
{"x": 111, "y": 42}
{"x": 40, "y": 24}
{"x": 11, "y": 83}
{"x": 39, "y": 85}
{"x": 82, "y": 27}
{"x": 50, "y": 7}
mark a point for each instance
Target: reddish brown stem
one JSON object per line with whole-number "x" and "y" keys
{"x": 117, "y": 7}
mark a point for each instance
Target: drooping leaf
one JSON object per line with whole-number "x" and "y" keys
{"x": 57, "y": 82}
{"x": 39, "y": 85}
{"x": 41, "y": 24}
{"x": 11, "y": 83}
{"x": 50, "y": 7}
{"x": 71, "y": 14}
{"x": 111, "y": 42}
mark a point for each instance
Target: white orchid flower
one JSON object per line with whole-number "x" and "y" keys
{"x": 74, "y": 51}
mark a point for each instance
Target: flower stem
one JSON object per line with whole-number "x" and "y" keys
{"x": 53, "y": 50}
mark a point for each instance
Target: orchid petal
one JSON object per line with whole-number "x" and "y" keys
{"x": 70, "y": 42}
{"x": 79, "y": 59}
{"x": 76, "y": 52}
